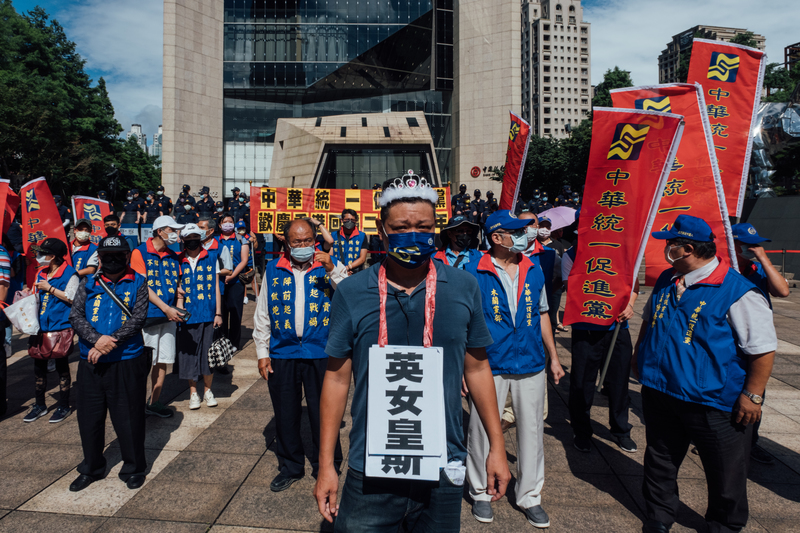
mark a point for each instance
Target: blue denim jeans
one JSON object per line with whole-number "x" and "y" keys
{"x": 378, "y": 505}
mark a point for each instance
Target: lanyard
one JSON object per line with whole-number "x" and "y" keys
{"x": 430, "y": 306}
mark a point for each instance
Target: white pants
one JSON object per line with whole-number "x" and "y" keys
{"x": 527, "y": 395}
{"x": 161, "y": 338}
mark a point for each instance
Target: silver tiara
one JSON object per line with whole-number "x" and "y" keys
{"x": 408, "y": 186}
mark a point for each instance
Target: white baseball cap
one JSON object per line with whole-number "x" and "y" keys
{"x": 192, "y": 229}
{"x": 166, "y": 221}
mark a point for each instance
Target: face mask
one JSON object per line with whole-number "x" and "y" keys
{"x": 544, "y": 233}
{"x": 205, "y": 196}
{"x": 746, "y": 252}
{"x": 412, "y": 249}
{"x": 520, "y": 243}
{"x": 193, "y": 244}
{"x": 348, "y": 224}
{"x": 302, "y": 255}
{"x": 149, "y": 198}
{"x": 160, "y": 193}
{"x": 111, "y": 231}
{"x": 227, "y": 227}
{"x": 241, "y": 200}
{"x": 172, "y": 238}
{"x": 242, "y": 232}
{"x": 82, "y": 235}
{"x": 545, "y": 198}
{"x": 463, "y": 240}
{"x": 669, "y": 259}
{"x": 531, "y": 233}
{"x": 536, "y": 196}
{"x": 130, "y": 198}
{"x": 113, "y": 263}
{"x": 219, "y": 210}
{"x": 42, "y": 260}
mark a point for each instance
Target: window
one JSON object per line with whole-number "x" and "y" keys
{"x": 584, "y": 40}
{"x": 547, "y": 130}
{"x": 546, "y": 110}
{"x": 547, "y": 68}
{"x": 572, "y": 20}
{"x": 585, "y": 71}
{"x": 584, "y": 81}
{"x": 547, "y": 121}
{"x": 546, "y": 27}
{"x": 559, "y": 18}
{"x": 547, "y": 99}
{"x": 584, "y": 31}
{"x": 558, "y": 7}
{"x": 584, "y": 101}
{"x": 584, "y": 50}
{"x": 572, "y": 9}
{"x": 547, "y": 79}
{"x": 547, "y": 89}
{"x": 546, "y": 37}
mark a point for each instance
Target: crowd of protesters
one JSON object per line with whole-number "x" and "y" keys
{"x": 495, "y": 279}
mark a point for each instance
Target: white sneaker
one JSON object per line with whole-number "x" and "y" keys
{"x": 246, "y": 301}
{"x": 9, "y": 353}
{"x": 209, "y": 398}
{"x": 194, "y": 401}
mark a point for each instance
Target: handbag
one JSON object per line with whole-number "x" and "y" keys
{"x": 220, "y": 352}
{"x": 247, "y": 276}
{"x": 24, "y": 313}
{"x": 51, "y": 344}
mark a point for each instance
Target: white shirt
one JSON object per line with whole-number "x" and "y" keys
{"x": 750, "y": 316}
{"x": 261, "y": 319}
{"x": 92, "y": 262}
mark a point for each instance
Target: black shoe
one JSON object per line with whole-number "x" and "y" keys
{"x": 582, "y": 444}
{"x": 135, "y": 481}
{"x": 282, "y": 482}
{"x": 760, "y": 455}
{"x": 626, "y": 444}
{"x": 653, "y": 526}
{"x": 81, "y": 483}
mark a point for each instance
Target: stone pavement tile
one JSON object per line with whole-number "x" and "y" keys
{"x": 235, "y": 441}
{"x": 561, "y": 456}
{"x": 243, "y": 419}
{"x": 786, "y": 328}
{"x": 774, "y": 501}
{"x": 14, "y": 429}
{"x": 564, "y": 518}
{"x": 780, "y": 444}
{"x": 194, "y": 467}
{"x": 102, "y": 498}
{"x": 792, "y": 380}
{"x": 774, "y": 526}
{"x": 693, "y": 503}
{"x": 240, "y": 529}
{"x": 775, "y": 473}
{"x": 129, "y": 525}
{"x": 6, "y": 447}
{"x": 42, "y": 459}
{"x": 294, "y": 508}
{"x": 167, "y": 435}
{"x": 23, "y": 522}
{"x": 787, "y": 348}
{"x": 589, "y": 490}
{"x": 256, "y": 397}
{"x": 67, "y": 432}
{"x": 183, "y": 416}
{"x": 4, "y": 512}
{"x": 18, "y": 487}
{"x": 178, "y": 500}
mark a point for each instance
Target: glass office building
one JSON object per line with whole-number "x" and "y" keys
{"x": 311, "y": 58}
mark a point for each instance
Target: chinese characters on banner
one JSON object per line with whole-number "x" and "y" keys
{"x": 406, "y": 436}
{"x": 9, "y": 203}
{"x": 40, "y": 220}
{"x": 94, "y": 210}
{"x": 694, "y": 186}
{"x": 629, "y": 164}
{"x": 732, "y": 76}
{"x": 272, "y": 207}
{"x": 519, "y": 137}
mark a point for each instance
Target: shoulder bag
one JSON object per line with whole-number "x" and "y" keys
{"x": 221, "y": 351}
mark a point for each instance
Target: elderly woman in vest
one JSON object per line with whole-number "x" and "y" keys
{"x": 200, "y": 295}
{"x": 56, "y": 284}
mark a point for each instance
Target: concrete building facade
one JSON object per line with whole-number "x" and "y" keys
{"x": 155, "y": 148}
{"x": 556, "y": 66}
{"x": 669, "y": 60}
{"x": 141, "y": 137}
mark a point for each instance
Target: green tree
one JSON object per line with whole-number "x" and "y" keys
{"x": 137, "y": 170}
{"x": 612, "y": 79}
{"x": 779, "y": 83}
{"x": 745, "y": 39}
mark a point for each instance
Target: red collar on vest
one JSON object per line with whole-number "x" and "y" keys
{"x": 130, "y": 275}
{"x": 354, "y": 234}
{"x": 214, "y": 244}
{"x": 717, "y": 276}
{"x": 441, "y": 255}
{"x": 57, "y": 274}
{"x": 185, "y": 258}
{"x": 537, "y": 248}
{"x": 286, "y": 263}
{"x": 228, "y": 237}
{"x": 152, "y": 249}
{"x": 485, "y": 263}
{"x": 82, "y": 247}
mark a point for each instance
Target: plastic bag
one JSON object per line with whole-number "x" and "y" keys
{"x": 24, "y": 313}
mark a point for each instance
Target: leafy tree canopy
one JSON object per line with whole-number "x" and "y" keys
{"x": 745, "y": 39}
{"x": 612, "y": 79}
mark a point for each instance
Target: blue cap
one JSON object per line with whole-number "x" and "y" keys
{"x": 204, "y": 190}
{"x": 241, "y": 224}
{"x": 503, "y": 219}
{"x": 687, "y": 227}
{"x": 747, "y": 234}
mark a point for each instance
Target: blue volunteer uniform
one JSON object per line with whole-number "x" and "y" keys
{"x": 163, "y": 271}
{"x": 198, "y": 285}
{"x": 81, "y": 256}
{"x": 233, "y": 302}
{"x": 350, "y": 246}
{"x": 54, "y": 312}
{"x": 450, "y": 257}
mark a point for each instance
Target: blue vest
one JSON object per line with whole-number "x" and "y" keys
{"x": 246, "y": 240}
{"x": 201, "y": 295}
{"x": 545, "y": 259}
{"x": 517, "y": 349}
{"x": 54, "y": 312}
{"x": 758, "y": 277}
{"x": 106, "y": 317}
{"x": 80, "y": 259}
{"x": 689, "y": 351}
{"x": 471, "y": 256}
{"x": 215, "y": 251}
{"x": 351, "y": 248}
{"x": 163, "y": 275}
{"x": 235, "y": 248}
{"x": 587, "y": 326}
{"x": 284, "y": 343}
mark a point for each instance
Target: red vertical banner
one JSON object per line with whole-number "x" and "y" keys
{"x": 694, "y": 186}
{"x": 519, "y": 137}
{"x": 9, "y": 203}
{"x": 40, "y": 220}
{"x": 94, "y": 210}
{"x": 629, "y": 164}
{"x": 732, "y": 76}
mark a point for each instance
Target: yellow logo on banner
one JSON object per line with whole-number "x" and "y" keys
{"x": 92, "y": 212}
{"x": 32, "y": 203}
{"x": 723, "y": 67}
{"x": 514, "y": 131}
{"x": 628, "y": 141}
{"x": 656, "y": 103}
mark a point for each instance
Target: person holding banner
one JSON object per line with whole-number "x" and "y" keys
{"x": 515, "y": 308}
{"x": 350, "y": 245}
{"x": 703, "y": 357}
{"x": 459, "y": 243}
{"x": 408, "y": 300}
{"x": 84, "y": 251}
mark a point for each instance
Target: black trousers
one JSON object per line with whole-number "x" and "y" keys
{"x": 724, "y": 448}
{"x": 290, "y": 378}
{"x": 121, "y": 389}
{"x": 3, "y": 383}
{"x": 64, "y": 378}
{"x": 232, "y": 307}
{"x": 589, "y": 349}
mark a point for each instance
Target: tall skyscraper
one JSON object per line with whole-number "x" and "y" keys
{"x": 155, "y": 148}
{"x": 136, "y": 131}
{"x": 556, "y": 66}
{"x": 669, "y": 61}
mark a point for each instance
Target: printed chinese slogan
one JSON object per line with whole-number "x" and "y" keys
{"x": 694, "y": 186}
{"x": 732, "y": 76}
{"x": 272, "y": 207}
{"x": 406, "y": 435}
{"x": 94, "y": 210}
{"x": 629, "y": 164}
{"x": 40, "y": 220}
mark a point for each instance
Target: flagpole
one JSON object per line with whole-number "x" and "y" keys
{"x": 608, "y": 356}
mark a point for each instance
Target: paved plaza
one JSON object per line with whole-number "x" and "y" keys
{"x": 210, "y": 469}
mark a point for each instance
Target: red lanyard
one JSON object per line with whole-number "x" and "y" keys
{"x": 430, "y": 306}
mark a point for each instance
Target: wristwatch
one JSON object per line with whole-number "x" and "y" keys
{"x": 755, "y": 398}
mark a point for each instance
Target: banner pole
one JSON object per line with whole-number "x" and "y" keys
{"x": 608, "y": 356}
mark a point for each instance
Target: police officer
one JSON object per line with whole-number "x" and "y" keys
{"x": 187, "y": 194}
{"x": 64, "y": 212}
{"x": 205, "y": 206}
{"x": 131, "y": 207}
{"x": 164, "y": 200}
{"x": 152, "y": 209}
{"x": 460, "y": 201}
{"x": 103, "y": 196}
{"x": 544, "y": 205}
{"x": 476, "y": 207}
{"x": 244, "y": 210}
{"x": 219, "y": 209}
{"x": 181, "y": 213}
{"x": 704, "y": 355}
{"x": 235, "y": 199}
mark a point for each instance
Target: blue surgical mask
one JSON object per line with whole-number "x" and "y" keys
{"x": 412, "y": 249}
{"x": 303, "y": 254}
{"x": 520, "y": 241}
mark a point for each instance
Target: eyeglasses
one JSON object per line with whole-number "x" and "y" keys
{"x": 300, "y": 244}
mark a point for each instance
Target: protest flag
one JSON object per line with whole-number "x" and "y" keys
{"x": 9, "y": 202}
{"x": 519, "y": 137}
{"x": 94, "y": 210}
{"x": 629, "y": 163}
{"x": 40, "y": 220}
{"x": 694, "y": 186}
{"x": 731, "y": 76}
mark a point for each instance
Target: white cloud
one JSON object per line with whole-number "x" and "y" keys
{"x": 124, "y": 41}
{"x": 632, "y": 33}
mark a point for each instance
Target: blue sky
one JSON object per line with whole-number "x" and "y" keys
{"x": 122, "y": 40}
